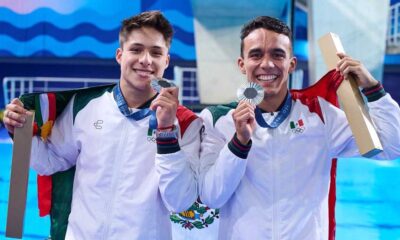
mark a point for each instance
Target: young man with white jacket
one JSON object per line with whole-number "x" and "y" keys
{"x": 269, "y": 167}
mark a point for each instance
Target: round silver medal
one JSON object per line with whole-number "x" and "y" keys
{"x": 250, "y": 92}
{"x": 158, "y": 83}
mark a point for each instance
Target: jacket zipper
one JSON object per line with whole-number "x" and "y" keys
{"x": 114, "y": 181}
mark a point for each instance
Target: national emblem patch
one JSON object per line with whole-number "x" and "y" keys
{"x": 297, "y": 127}
{"x": 197, "y": 216}
{"x": 151, "y": 135}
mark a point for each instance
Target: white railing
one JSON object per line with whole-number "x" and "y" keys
{"x": 185, "y": 78}
{"x": 16, "y": 86}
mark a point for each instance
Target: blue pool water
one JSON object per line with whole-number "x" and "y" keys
{"x": 367, "y": 207}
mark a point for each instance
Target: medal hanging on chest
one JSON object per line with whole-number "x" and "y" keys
{"x": 282, "y": 115}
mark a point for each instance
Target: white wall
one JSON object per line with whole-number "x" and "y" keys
{"x": 361, "y": 26}
{"x": 217, "y": 25}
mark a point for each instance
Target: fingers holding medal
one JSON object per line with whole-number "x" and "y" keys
{"x": 166, "y": 103}
{"x": 249, "y": 96}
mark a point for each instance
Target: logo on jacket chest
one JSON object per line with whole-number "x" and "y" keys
{"x": 297, "y": 127}
{"x": 98, "y": 124}
{"x": 151, "y": 135}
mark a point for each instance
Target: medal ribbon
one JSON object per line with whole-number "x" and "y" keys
{"x": 139, "y": 115}
{"x": 282, "y": 115}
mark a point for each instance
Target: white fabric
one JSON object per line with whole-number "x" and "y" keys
{"x": 118, "y": 173}
{"x": 281, "y": 190}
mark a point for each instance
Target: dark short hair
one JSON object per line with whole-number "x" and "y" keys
{"x": 152, "y": 19}
{"x": 265, "y": 22}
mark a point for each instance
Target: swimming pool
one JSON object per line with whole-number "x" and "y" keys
{"x": 367, "y": 207}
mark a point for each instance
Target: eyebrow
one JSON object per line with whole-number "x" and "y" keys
{"x": 255, "y": 50}
{"x": 278, "y": 50}
{"x": 141, "y": 45}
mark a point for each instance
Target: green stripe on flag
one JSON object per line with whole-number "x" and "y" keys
{"x": 38, "y": 112}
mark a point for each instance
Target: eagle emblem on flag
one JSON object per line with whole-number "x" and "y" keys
{"x": 197, "y": 216}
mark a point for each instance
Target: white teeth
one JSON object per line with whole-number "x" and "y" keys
{"x": 266, "y": 77}
{"x": 143, "y": 72}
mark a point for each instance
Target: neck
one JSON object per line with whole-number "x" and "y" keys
{"x": 136, "y": 97}
{"x": 272, "y": 103}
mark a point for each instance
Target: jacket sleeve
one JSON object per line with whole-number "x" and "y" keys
{"x": 60, "y": 151}
{"x": 385, "y": 115}
{"x": 221, "y": 170}
{"x": 178, "y": 170}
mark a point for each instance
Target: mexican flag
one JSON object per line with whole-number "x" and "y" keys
{"x": 55, "y": 191}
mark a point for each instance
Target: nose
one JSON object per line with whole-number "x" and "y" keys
{"x": 267, "y": 62}
{"x": 145, "y": 59}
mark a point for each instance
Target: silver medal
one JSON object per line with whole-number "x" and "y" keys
{"x": 158, "y": 83}
{"x": 250, "y": 92}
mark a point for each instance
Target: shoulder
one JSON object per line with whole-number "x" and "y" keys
{"x": 85, "y": 95}
{"x": 185, "y": 118}
{"x": 321, "y": 93}
{"x": 217, "y": 112}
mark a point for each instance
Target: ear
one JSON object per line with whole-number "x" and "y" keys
{"x": 293, "y": 64}
{"x": 167, "y": 61}
{"x": 240, "y": 63}
{"x": 118, "y": 55}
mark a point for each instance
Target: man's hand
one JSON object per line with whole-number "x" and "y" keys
{"x": 14, "y": 115}
{"x": 166, "y": 105}
{"x": 348, "y": 66}
{"x": 244, "y": 119}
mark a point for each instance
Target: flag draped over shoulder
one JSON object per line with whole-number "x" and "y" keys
{"x": 55, "y": 191}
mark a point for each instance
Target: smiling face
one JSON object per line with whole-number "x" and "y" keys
{"x": 267, "y": 60}
{"x": 143, "y": 56}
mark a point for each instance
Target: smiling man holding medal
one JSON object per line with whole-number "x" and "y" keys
{"x": 266, "y": 161}
{"x": 135, "y": 149}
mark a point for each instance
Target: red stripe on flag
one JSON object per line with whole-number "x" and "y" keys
{"x": 301, "y": 122}
{"x": 44, "y": 194}
{"x": 332, "y": 201}
{"x": 325, "y": 88}
{"x": 52, "y": 106}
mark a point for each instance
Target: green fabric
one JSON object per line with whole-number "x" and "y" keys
{"x": 84, "y": 97}
{"x": 61, "y": 203}
{"x": 62, "y": 182}
{"x": 221, "y": 110}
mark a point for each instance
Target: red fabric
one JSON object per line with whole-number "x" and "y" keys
{"x": 44, "y": 183}
{"x": 35, "y": 129}
{"x": 52, "y": 106}
{"x": 44, "y": 194}
{"x": 185, "y": 117}
{"x": 325, "y": 88}
{"x": 332, "y": 201}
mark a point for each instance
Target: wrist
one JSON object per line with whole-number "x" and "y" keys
{"x": 166, "y": 129}
{"x": 167, "y": 141}
{"x": 169, "y": 132}
{"x": 374, "y": 93}
{"x": 165, "y": 125}
{"x": 239, "y": 149}
{"x": 241, "y": 139}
